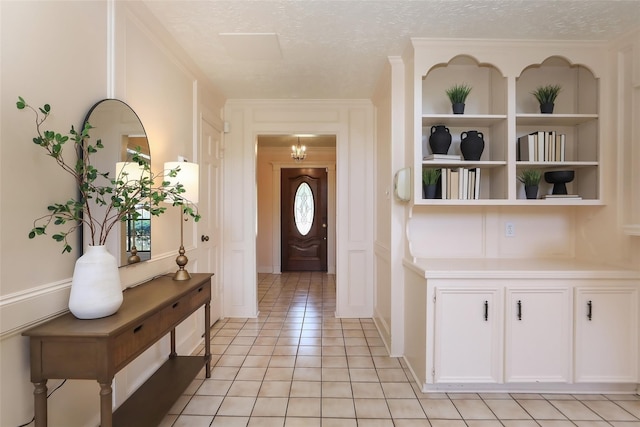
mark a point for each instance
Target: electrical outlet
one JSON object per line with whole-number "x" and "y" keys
{"x": 509, "y": 229}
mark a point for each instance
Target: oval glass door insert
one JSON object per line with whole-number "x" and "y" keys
{"x": 303, "y": 208}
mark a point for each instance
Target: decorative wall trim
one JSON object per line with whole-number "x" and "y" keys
{"x": 632, "y": 230}
{"x": 111, "y": 49}
{"x": 21, "y": 310}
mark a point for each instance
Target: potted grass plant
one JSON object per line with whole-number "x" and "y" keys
{"x": 458, "y": 95}
{"x": 531, "y": 179}
{"x": 546, "y": 96}
{"x": 430, "y": 178}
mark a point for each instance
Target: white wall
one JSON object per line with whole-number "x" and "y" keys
{"x": 34, "y": 274}
{"x": 382, "y": 101}
{"x": 625, "y": 56}
{"x": 66, "y": 54}
{"x": 390, "y": 222}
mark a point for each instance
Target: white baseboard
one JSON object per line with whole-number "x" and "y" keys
{"x": 384, "y": 331}
{"x": 547, "y": 388}
{"x": 413, "y": 374}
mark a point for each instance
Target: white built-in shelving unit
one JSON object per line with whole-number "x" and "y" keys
{"x": 501, "y": 106}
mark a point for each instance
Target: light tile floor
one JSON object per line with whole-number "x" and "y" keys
{"x": 296, "y": 365}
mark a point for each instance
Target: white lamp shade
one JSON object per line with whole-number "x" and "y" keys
{"x": 129, "y": 172}
{"x": 188, "y": 176}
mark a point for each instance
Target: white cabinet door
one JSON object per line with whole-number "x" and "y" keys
{"x": 606, "y": 335}
{"x": 538, "y": 335}
{"x": 468, "y": 325}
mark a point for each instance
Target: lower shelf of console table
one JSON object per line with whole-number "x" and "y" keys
{"x": 70, "y": 348}
{"x": 149, "y": 404}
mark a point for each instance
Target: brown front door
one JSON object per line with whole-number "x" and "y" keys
{"x": 304, "y": 219}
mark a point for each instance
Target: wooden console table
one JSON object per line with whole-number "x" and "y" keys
{"x": 67, "y": 347}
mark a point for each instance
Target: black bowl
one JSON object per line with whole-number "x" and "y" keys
{"x": 559, "y": 180}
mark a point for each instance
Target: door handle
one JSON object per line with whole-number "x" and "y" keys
{"x": 519, "y": 310}
{"x": 204, "y": 238}
{"x": 486, "y": 311}
{"x": 589, "y": 310}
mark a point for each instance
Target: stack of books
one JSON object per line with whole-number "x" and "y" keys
{"x": 561, "y": 196}
{"x": 542, "y": 146}
{"x": 461, "y": 183}
{"x": 442, "y": 158}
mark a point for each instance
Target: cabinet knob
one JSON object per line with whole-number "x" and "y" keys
{"x": 204, "y": 238}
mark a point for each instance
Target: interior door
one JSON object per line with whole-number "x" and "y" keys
{"x": 210, "y": 236}
{"x": 304, "y": 219}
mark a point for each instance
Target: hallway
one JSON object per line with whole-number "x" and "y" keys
{"x": 296, "y": 365}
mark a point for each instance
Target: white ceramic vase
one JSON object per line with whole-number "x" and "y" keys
{"x": 95, "y": 289}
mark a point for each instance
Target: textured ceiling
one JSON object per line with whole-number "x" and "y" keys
{"x": 335, "y": 49}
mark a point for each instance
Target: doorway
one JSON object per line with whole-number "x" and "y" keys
{"x": 251, "y": 220}
{"x": 303, "y": 216}
{"x": 274, "y": 159}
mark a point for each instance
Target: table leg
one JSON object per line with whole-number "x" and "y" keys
{"x": 173, "y": 343}
{"x": 40, "y": 403}
{"x": 106, "y": 416}
{"x": 207, "y": 338}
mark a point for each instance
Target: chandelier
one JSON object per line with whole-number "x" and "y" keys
{"x": 298, "y": 152}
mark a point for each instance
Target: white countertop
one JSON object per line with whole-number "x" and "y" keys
{"x": 536, "y": 268}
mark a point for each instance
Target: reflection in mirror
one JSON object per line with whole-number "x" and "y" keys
{"x": 122, "y": 133}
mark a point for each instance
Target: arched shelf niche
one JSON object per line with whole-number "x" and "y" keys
{"x": 489, "y": 87}
{"x": 571, "y": 132}
{"x": 579, "y": 93}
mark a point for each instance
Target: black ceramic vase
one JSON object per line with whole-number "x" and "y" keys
{"x": 559, "y": 180}
{"x": 471, "y": 145}
{"x": 440, "y": 139}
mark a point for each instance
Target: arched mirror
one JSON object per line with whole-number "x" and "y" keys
{"x": 121, "y": 132}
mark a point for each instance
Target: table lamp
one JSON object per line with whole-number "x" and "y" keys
{"x": 188, "y": 176}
